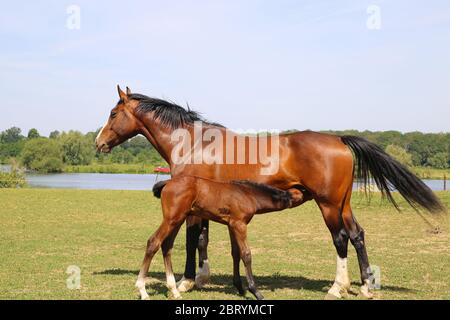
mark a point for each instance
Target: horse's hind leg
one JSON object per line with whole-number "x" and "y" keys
{"x": 331, "y": 215}
{"x": 356, "y": 234}
{"x": 239, "y": 230}
{"x": 166, "y": 248}
{"x": 235, "y": 253}
{"x": 203, "y": 274}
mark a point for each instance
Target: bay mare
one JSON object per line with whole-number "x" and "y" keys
{"x": 231, "y": 203}
{"x": 321, "y": 167}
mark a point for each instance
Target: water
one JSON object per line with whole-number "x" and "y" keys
{"x": 114, "y": 181}
{"x": 105, "y": 181}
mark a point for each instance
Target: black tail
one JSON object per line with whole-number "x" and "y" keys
{"x": 157, "y": 188}
{"x": 389, "y": 174}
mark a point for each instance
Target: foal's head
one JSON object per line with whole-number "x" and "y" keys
{"x": 121, "y": 125}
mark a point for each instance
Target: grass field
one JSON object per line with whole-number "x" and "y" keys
{"x": 43, "y": 231}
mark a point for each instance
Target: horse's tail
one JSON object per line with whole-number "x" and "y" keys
{"x": 389, "y": 174}
{"x": 157, "y": 188}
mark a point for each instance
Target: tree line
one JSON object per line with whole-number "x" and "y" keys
{"x": 72, "y": 148}
{"x": 60, "y": 149}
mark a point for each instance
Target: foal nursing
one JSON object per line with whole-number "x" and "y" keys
{"x": 232, "y": 203}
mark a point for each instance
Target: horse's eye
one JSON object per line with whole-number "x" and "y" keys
{"x": 113, "y": 114}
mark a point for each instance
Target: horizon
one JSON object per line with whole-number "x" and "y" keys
{"x": 364, "y": 65}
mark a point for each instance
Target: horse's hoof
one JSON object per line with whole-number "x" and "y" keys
{"x": 174, "y": 296}
{"x": 330, "y": 296}
{"x": 185, "y": 285}
{"x": 337, "y": 292}
{"x": 365, "y": 293}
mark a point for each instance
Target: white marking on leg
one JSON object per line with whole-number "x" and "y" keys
{"x": 342, "y": 281}
{"x": 140, "y": 284}
{"x": 203, "y": 275}
{"x": 172, "y": 285}
{"x": 365, "y": 290}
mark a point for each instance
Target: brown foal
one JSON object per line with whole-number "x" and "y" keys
{"x": 231, "y": 203}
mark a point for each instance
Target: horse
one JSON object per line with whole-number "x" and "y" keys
{"x": 321, "y": 167}
{"x": 231, "y": 203}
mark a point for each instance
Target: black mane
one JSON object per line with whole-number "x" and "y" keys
{"x": 275, "y": 193}
{"x": 170, "y": 114}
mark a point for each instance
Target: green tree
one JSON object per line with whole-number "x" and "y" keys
{"x": 439, "y": 160}
{"x": 54, "y": 134}
{"x": 77, "y": 149}
{"x": 43, "y": 155}
{"x": 33, "y": 134}
{"x": 399, "y": 154}
{"x": 11, "y": 135}
{"x": 120, "y": 155}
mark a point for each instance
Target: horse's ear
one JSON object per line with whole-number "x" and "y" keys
{"x": 122, "y": 94}
{"x": 128, "y": 91}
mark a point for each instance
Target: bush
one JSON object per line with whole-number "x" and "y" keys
{"x": 400, "y": 154}
{"x": 42, "y": 155}
{"x": 77, "y": 149}
{"x": 14, "y": 179}
{"x": 439, "y": 160}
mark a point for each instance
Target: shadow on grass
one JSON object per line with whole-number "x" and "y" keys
{"x": 224, "y": 282}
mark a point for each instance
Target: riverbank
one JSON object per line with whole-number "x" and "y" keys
{"x": 421, "y": 172}
{"x": 136, "y": 168}
{"x": 104, "y": 233}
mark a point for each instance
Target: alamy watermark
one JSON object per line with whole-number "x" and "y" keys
{"x": 375, "y": 277}
{"x": 373, "y": 21}
{"x": 74, "y": 280}
{"x": 73, "y": 21}
{"x": 211, "y": 145}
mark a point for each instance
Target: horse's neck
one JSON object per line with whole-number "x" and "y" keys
{"x": 160, "y": 136}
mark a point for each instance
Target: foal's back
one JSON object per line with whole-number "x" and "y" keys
{"x": 220, "y": 200}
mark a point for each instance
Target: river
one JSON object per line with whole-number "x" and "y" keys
{"x": 114, "y": 181}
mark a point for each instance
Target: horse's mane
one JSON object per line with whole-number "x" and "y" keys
{"x": 275, "y": 193}
{"x": 169, "y": 113}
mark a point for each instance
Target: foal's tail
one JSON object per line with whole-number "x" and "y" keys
{"x": 157, "y": 188}
{"x": 389, "y": 174}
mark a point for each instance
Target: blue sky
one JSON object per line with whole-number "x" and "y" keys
{"x": 247, "y": 64}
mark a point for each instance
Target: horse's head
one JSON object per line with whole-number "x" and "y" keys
{"x": 121, "y": 125}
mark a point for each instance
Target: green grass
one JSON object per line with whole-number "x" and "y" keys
{"x": 431, "y": 173}
{"x": 43, "y": 231}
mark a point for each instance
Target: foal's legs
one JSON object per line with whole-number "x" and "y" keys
{"x": 333, "y": 220}
{"x": 235, "y": 253}
{"x": 356, "y": 234}
{"x": 153, "y": 244}
{"x": 166, "y": 247}
{"x": 239, "y": 230}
